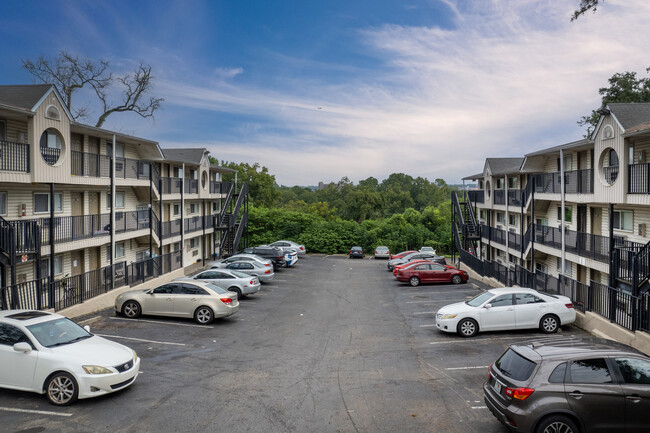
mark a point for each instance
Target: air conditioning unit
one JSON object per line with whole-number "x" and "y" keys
{"x": 195, "y": 253}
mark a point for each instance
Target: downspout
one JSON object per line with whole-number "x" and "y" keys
{"x": 150, "y": 210}
{"x": 182, "y": 215}
{"x": 51, "y": 244}
{"x": 611, "y": 247}
{"x": 203, "y": 240}
{"x": 507, "y": 222}
{"x": 112, "y": 205}
{"x": 532, "y": 226}
{"x": 562, "y": 211}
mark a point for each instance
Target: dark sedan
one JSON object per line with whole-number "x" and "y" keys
{"x": 431, "y": 273}
{"x": 357, "y": 253}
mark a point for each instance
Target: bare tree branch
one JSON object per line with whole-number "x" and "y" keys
{"x": 584, "y": 7}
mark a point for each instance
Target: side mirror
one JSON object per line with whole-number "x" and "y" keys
{"x": 488, "y": 306}
{"x": 87, "y": 328}
{"x": 22, "y": 347}
{"x": 150, "y": 292}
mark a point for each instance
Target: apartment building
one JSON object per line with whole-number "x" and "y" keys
{"x": 76, "y": 199}
{"x": 578, "y": 210}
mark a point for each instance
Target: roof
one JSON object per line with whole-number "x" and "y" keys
{"x": 567, "y": 146}
{"x": 223, "y": 169}
{"x": 506, "y": 290}
{"x": 630, "y": 114}
{"x": 500, "y": 166}
{"x": 474, "y": 176}
{"x": 24, "y": 97}
{"x": 186, "y": 155}
{"x": 563, "y": 347}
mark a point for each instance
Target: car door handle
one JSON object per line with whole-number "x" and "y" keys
{"x": 169, "y": 299}
{"x": 576, "y": 394}
{"x": 194, "y": 299}
{"x": 634, "y": 397}
{"x": 510, "y": 309}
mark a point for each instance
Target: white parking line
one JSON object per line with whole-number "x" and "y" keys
{"x": 478, "y": 407}
{"x": 466, "y": 368}
{"x": 425, "y": 312}
{"x": 428, "y": 326}
{"x": 431, "y": 301}
{"x": 141, "y": 339}
{"x": 471, "y": 340}
{"x": 163, "y": 323}
{"x": 39, "y": 412}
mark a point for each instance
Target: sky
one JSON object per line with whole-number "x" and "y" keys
{"x": 318, "y": 90}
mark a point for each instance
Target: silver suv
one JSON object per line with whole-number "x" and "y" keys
{"x": 570, "y": 385}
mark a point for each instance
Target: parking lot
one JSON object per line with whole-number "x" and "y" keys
{"x": 332, "y": 345}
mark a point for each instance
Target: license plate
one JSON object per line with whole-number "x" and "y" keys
{"x": 497, "y": 387}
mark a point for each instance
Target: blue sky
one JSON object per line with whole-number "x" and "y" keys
{"x": 318, "y": 90}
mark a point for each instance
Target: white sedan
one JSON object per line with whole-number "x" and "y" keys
{"x": 50, "y": 354}
{"x": 506, "y": 308}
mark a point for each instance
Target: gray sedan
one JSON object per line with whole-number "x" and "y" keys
{"x": 235, "y": 281}
{"x": 264, "y": 273}
{"x": 240, "y": 258}
{"x": 300, "y": 249}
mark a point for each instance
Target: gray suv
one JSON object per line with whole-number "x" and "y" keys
{"x": 570, "y": 385}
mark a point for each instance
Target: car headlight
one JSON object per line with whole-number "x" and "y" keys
{"x": 96, "y": 369}
{"x": 448, "y": 316}
{"x": 135, "y": 356}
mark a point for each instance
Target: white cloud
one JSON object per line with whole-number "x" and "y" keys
{"x": 509, "y": 78}
{"x": 225, "y": 73}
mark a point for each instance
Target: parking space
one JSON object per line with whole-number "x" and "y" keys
{"x": 332, "y": 345}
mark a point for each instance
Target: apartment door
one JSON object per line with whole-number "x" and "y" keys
{"x": 583, "y": 160}
{"x": 76, "y": 141}
{"x": 596, "y": 221}
{"x": 94, "y": 258}
{"x": 582, "y": 274}
{"x": 582, "y": 218}
{"x": 78, "y": 223}
{"x": 77, "y": 258}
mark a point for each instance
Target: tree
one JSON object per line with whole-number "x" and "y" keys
{"x": 261, "y": 184}
{"x": 70, "y": 73}
{"x": 623, "y": 87}
{"x": 584, "y": 7}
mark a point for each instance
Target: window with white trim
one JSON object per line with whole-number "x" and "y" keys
{"x": 119, "y": 200}
{"x": 120, "y": 251}
{"x": 215, "y": 207}
{"x": 513, "y": 182}
{"x": 42, "y": 202}
{"x": 45, "y": 266}
{"x": 623, "y": 220}
{"x": 177, "y": 209}
{"x": 194, "y": 243}
{"x": 194, "y": 208}
{"x": 568, "y": 213}
{"x": 500, "y": 183}
{"x": 500, "y": 217}
{"x": 567, "y": 266}
{"x": 512, "y": 219}
{"x": 541, "y": 267}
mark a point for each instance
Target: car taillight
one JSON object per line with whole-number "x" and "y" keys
{"x": 302, "y": 248}
{"x": 490, "y": 372}
{"x": 268, "y": 271}
{"x": 519, "y": 393}
{"x": 568, "y": 305}
{"x": 267, "y": 264}
{"x": 251, "y": 282}
{"x": 225, "y": 300}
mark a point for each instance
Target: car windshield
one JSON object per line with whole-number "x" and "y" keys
{"x": 217, "y": 289}
{"x": 58, "y": 332}
{"x": 240, "y": 274}
{"x": 479, "y": 299}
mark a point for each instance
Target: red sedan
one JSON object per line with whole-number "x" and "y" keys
{"x": 402, "y": 254}
{"x": 409, "y": 264}
{"x": 431, "y": 273}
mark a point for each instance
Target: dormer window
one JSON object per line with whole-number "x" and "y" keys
{"x": 608, "y": 132}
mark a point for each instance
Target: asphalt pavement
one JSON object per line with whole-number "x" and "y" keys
{"x": 331, "y": 345}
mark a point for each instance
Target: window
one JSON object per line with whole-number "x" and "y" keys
{"x": 623, "y": 220}
{"x": 483, "y": 214}
{"x": 567, "y": 266}
{"x": 513, "y": 259}
{"x": 119, "y": 200}
{"x": 527, "y": 298}
{"x": 142, "y": 255}
{"x": 613, "y": 158}
{"x": 3, "y": 203}
{"x": 567, "y": 163}
{"x": 177, "y": 172}
{"x": 558, "y": 374}
{"x": 501, "y": 254}
{"x": 209, "y": 275}
{"x": 568, "y": 213}
{"x": 3, "y": 130}
{"x": 42, "y": 202}
{"x": 541, "y": 267}
{"x": 590, "y": 371}
{"x": 500, "y": 183}
{"x": 166, "y": 289}
{"x": 512, "y": 220}
{"x": 515, "y": 366}
{"x": 513, "y": 182}
{"x": 194, "y": 243}
{"x": 480, "y": 184}
{"x": 193, "y": 174}
{"x": 501, "y": 301}
{"x": 215, "y": 207}
{"x": 177, "y": 246}
{"x": 500, "y": 217}
{"x": 177, "y": 209}
{"x": 119, "y": 149}
{"x": 119, "y": 250}
{"x": 45, "y": 266}
{"x": 189, "y": 289}
{"x": 194, "y": 208}
{"x": 634, "y": 370}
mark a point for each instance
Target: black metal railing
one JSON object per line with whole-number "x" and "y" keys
{"x": 191, "y": 186}
{"x": 240, "y": 231}
{"x": 499, "y": 196}
{"x": 638, "y": 178}
{"x": 586, "y": 245}
{"x": 240, "y": 200}
{"x": 171, "y": 228}
{"x": 72, "y": 228}
{"x": 227, "y": 188}
{"x": 14, "y": 156}
{"x": 476, "y": 196}
{"x": 515, "y": 197}
{"x": 50, "y": 154}
{"x": 215, "y": 187}
{"x": 171, "y": 185}
{"x": 610, "y": 173}
{"x": 514, "y": 241}
{"x": 193, "y": 224}
{"x": 575, "y": 182}
{"x": 90, "y": 164}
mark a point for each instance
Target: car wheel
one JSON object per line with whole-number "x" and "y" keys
{"x": 467, "y": 328}
{"x": 236, "y": 290}
{"x": 203, "y": 315}
{"x": 61, "y": 389}
{"x": 549, "y": 324}
{"x": 131, "y": 309}
{"x": 414, "y": 281}
{"x": 557, "y": 424}
{"x": 456, "y": 279}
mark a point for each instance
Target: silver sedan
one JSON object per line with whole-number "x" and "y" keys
{"x": 240, "y": 258}
{"x": 196, "y": 299}
{"x": 264, "y": 273}
{"x": 235, "y": 281}
{"x": 300, "y": 249}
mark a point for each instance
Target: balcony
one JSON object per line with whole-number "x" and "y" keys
{"x": 171, "y": 228}
{"x": 499, "y": 196}
{"x": 171, "y": 185}
{"x": 50, "y": 154}
{"x": 14, "y": 156}
{"x": 575, "y": 182}
{"x": 193, "y": 224}
{"x": 586, "y": 245}
{"x": 126, "y": 168}
{"x": 638, "y": 179}
{"x": 191, "y": 186}
{"x": 477, "y": 196}
{"x": 611, "y": 174}
{"x": 215, "y": 187}
{"x": 90, "y": 164}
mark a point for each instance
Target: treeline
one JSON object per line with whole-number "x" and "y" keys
{"x": 401, "y": 212}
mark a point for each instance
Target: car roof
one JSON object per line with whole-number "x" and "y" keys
{"x": 506, "y": 290}
{"x": 27, "y": 317}
{"x": 554, "y": 348}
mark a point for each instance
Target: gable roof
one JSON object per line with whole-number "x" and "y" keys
{"x": 186, "y": 155}
{"x": 630, "y": 114}
{"x": 566, "y": 146}
{"x": 24, "y": 97}
{"x": 499, "y": 166}
{"x": 474, "y": 177}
